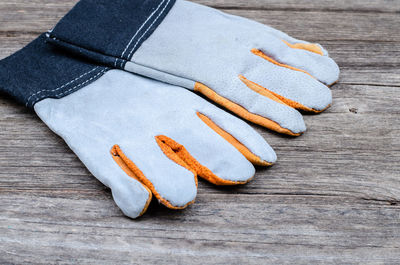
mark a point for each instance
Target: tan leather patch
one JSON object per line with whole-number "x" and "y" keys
{"x": 306, "y": 46}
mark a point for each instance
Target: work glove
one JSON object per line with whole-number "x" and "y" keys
{"x": 255, "y": 71}
{"x": 139, "y": 137}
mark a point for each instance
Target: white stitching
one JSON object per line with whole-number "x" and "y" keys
{"x": 141, "y": 27}
{"x": 81, "y": 84}
{"x": 165, "y": 7}
{"x": 70, "y": 82}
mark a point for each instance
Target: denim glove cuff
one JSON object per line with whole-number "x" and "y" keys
{"x": 40, "y": 71}
{"x": 109, "y": 31}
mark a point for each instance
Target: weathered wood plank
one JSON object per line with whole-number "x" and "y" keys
{"x": 341, "y": 26}
{"x": 249, "y": 229}
{"x": 373, "y": 6}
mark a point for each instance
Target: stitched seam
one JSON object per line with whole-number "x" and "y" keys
{"x": 137, "y": 32}
{"x": 81, "y": 84}
{"x": 141, "y": 27}
{"x": 165, "y": 7}
{"x": 116, "y": 61}
{"x": 56, "y": 39}
{"x": 145, "y": 68}
{"x": 61, "y": 87}
{"x": 69, "y": 90}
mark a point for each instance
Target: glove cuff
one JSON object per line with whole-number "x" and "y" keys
{"x": 109, "y": 32}
{"x": 40, "y": 71}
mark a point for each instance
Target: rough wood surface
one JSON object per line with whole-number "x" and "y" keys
{"x": 334, "y": 196}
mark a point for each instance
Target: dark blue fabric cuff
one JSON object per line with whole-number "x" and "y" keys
{"x": 41, "y": 71}
{"x": 109, "y": 32}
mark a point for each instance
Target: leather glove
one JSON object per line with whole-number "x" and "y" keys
{"x": 139, "y": 137}
{"x": 257, "y": 72}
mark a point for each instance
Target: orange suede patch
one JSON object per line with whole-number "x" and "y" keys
{"x": 175, "y": 152}
{"x": 240, "y": 111}
{"x": 256, "y": 160}
{"x": 306, "y": 46}
{"x": 167, "y": 144}
{"x": 334, "y": 83}
{"x": 132, "y": 170}
{"x": 260, "y": 89}
{"x": 264, "y": 56}
{"x": 297, "y": 105}
{"x": 276, "y": 97}
{"x": 132, "y": 174}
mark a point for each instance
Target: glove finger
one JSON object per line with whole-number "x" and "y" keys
{"x": 131, "y": 196}
{"x": 157, "y": 166}
{"x": 294, "y": 88}
{"x": 323, "y": 68}
{"x": 253, "y": 106}
{"x": 286, "y": 50}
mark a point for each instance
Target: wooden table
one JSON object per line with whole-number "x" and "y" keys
{"x": 333, "y": 197}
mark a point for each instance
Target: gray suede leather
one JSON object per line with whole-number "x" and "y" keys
{"x": 195, "y": 43}
{"x": 130, "y": 111}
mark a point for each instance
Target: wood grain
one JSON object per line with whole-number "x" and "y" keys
{"x": 333, "y": 197}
